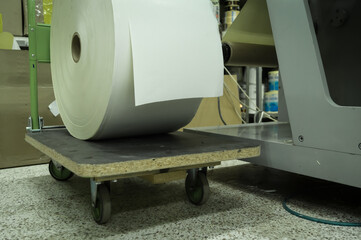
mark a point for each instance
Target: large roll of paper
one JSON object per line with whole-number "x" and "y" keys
{"x": 249, "y": 40}
{"x": 247, "y": 54}
{"x": 125, "y": 67}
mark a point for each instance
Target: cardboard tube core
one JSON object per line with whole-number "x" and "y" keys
{"x": 76, "y": 47}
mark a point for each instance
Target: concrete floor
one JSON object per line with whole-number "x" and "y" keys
{"x": 245, "y": 203}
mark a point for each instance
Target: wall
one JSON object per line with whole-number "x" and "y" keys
{"x": 15, "y": 108}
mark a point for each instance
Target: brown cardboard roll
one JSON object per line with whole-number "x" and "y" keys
{"x": 248, "y": 54}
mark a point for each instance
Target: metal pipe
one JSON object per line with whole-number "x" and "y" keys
{"x": 34, "y": 112}
{"x": 259, "y": 102}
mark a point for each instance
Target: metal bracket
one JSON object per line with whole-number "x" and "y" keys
{"x": 57, "y": 165}
{"x": 94, "y": 191}
{"x": 30, "y": 129}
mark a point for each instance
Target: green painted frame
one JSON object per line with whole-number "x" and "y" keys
{"x": 39, "y": 51}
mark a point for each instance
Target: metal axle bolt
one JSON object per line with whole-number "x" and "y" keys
{"x": 359, "y": 146}
{"x": 300, "y": 138}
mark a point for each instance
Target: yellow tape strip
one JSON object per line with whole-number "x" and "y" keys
{"x": 48, "y": 10}
{"x": 1, "y": 23}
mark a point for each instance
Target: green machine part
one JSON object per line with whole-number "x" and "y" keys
{"x": 39, "y": 51}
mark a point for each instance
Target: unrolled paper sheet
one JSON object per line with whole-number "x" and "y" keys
{"x": 123, "y": 67}
{"x": 173, "y": 50}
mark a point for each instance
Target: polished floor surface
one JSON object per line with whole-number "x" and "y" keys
{"x": 245, "y": 203}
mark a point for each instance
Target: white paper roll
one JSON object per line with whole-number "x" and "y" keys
{"x": 124, "y": 67}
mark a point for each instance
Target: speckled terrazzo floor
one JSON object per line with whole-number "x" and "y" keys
{"x": 245, "y": 203}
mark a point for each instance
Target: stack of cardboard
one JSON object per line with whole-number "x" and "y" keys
{"x": 208, "y": 115}
{"x": 39, "y": 13}
{"x": 15, "y": 15}
{"x": 15, "y": 108}
{"x": 15, "y": 91}
{"x": 12, "y": 13}
{"x": 6, "y": 38}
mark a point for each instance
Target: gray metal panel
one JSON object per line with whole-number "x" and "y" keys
{"x": 282, "y": 105}
{"x": 259, "y": 101}
{"x": 278, "y": 151}
{"x": 328, "y": 165}
{"x": 337, "y": 26}
{"x": 313, "y": 115}
{"x": 270, "y": 131}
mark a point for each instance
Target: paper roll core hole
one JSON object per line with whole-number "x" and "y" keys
{"x": 76, "y": 47}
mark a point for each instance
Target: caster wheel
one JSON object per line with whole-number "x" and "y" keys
{"x": 197, "y": 192}
{"x": 59, "y": 173}
{"x": 102, "y": 210}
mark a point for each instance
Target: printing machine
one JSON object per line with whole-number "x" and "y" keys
{"x": 319, "y": 130}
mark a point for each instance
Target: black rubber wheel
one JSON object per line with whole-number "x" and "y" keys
{"x": 60, "y": 174}
{"x": 102, "y": 210}
{"x": 197, "y": 192}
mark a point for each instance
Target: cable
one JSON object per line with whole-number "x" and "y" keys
{"x": 244, "y": 92}
{"x": 260, "y": 118}
{"x": 257, "y": 108}
{"x": 219, "y": 112}
{"x": 233, "y": 103}
{"x": 319, "y": 220}
{"x": 238, "y": 98}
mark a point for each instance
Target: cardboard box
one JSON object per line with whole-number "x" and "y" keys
{"x": 207, "y": 114}
{"x": 12, "y": 13}
{"x": 15, "y": 108}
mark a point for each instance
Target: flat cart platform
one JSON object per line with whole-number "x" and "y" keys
{"x": 156, "y": 157}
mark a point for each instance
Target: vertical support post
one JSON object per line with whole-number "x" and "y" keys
{"x": 34, "y": 113}
{"x": 259, "y": 102}
{"x": 94, "y": 190}
{"x": 248, "y": 102}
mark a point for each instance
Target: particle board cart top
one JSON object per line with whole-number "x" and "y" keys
{"x": 138, "y": 156}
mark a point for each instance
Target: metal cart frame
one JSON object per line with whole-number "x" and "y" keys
{"x": 39, "y": 52}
